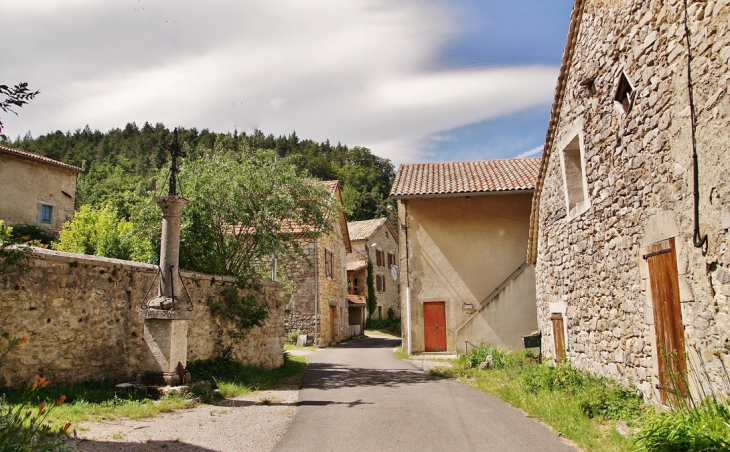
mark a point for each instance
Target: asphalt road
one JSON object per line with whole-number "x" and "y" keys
{"x": 359, "y": 397}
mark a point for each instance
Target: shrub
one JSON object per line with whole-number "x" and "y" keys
{"x": 292, "y": 336}
{"x": 24, "y": 233}
{"x": 695, "y": 422}
{"x": 501, "y": 358}
{"x": 23, "y": 428}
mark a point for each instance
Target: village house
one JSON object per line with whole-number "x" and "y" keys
{"x": 319, "y": 305}
{"x": 375, "y": 240}
{"x": 629, "y": 226}
{"x": 463, "y": 276}
{"x": 36, "y": 190}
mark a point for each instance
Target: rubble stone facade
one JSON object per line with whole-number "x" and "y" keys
{"x": 383, "y": 240}
{"x": 637, "y": 185}
{"x": 80, "y": 314}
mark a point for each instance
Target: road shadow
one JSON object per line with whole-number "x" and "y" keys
{"x": 103, "y": 446}
{"x": 332, "y": 402}
{"x": 372, "y": 342}
{"x": 332, "y": 376}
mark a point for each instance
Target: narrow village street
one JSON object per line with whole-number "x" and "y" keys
{"x": 359, "y": 396}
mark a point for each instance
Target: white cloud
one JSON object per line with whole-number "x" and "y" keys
{"x": 531, "y": 153}
{"x": 359, "y": 72}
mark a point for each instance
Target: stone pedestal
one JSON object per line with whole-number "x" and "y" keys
{"x": 166, "y": 316}
{"x": 167, "y": 349}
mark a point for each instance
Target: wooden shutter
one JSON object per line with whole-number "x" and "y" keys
{"x": 558, "y": 337}
{"x": 661, "y": 258}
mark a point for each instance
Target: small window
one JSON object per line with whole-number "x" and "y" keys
{"x": 624, "y": 97}
{"x": 46, "y": 214}
{"x": 391, "y": 259}
{"x": 576, "y": 193}
{"x": 329, "y": 264}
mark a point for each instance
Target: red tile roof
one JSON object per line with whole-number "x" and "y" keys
{"x": 360, "y": 230}
{"x": 37, "y": 158}
{"x": 479, "y": 176}
{"x": 354, "y": 299}
{"x": 353, "y": 266}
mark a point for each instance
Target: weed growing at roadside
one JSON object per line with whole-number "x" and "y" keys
{"x": 233, "y": 379}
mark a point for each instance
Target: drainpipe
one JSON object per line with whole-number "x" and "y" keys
{"x": 316, "y": 294}
{"x": 409, "y": 343}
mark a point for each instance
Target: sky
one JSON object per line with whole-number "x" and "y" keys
{"x": 412, "y": 80}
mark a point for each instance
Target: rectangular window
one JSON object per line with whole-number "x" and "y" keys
{"x": 329, "y": 264}
{"x": 574, "y": 178}
{"x": 391, "y": 259}
{"x": 380, "y": 283}
{"x": 380, "y": 258}
{"x": 46, "y": 213}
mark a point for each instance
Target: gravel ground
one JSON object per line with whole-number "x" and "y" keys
{"x": 254, "y": 422}
{"x": 251, "y": 423}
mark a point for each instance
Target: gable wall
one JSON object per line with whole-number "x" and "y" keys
{"x": 25, "y": 183}
{"x": 459, "y": 250}
{"x": 639, "y": 178}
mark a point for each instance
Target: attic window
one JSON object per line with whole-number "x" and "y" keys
{"x": 625, "y": 94}
{"x": 574, "y": 177}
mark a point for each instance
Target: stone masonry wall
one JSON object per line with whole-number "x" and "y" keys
{"x": 640, "y": 182}
{"x": 332, "y": 291}
{"x": 80, "y": 314}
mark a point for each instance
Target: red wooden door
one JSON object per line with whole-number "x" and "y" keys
{"x": 662, "y": 260}
{"x": 434, "y": 326}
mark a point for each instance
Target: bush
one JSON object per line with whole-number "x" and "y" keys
{"x": 102, "y": 232}
{"x": 292, "y": 336}
{"x": 501, "y": 358}
{"x": 23, "y": 428}
{"x": 705, "y": 427}
{"x": 24, "y": 233}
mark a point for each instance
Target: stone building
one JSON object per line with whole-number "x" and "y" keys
{"x": 625, "y": 279}
{"x": 318, "y": 306}
{"x": 463, "y": 230}
{"x": 36, "y": 190}
{"x": 377, "y": 240}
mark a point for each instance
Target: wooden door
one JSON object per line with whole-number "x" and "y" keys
{"x": 662, "y": 260}
{"x": 333, "y": 316}
{"x": 434, "y": 326}
{"x": 558, "y": 337}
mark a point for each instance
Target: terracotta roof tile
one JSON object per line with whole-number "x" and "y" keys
{"x": 38, "y": 158}
{"x": 355, "y": 300}
{"x": 424, "y": 179}
{"x": 353, "y": 266}
{"x": 360, "y": 230}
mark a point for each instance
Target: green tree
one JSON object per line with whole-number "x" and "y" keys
{"x": 102, "y": 232}
{"x": 244, "y": 207}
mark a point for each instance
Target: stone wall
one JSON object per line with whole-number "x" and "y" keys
{"x": 80, "y": 314}
{"x": 390, "y": 297}
{"x": 639, "y": 178}
{"x": 312, "y": 288}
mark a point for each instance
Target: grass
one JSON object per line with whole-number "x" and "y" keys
{"x": 233, "y": 379}
{"x": 94, "y": 401}
{"x": 299, "y": 347}
{"x": 576, "y": 405}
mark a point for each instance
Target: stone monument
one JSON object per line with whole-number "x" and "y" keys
{"x": 166, "y": 316}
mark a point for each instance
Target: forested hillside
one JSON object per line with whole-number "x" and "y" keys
{"x": 121, "y": 164}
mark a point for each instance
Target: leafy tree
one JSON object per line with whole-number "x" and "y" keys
{"x": 15, "y": 96}
{"x": 101, "y": 232}
{"x": 244, "y": 208}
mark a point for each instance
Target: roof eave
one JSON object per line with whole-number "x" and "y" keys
{"x": 464, "y": 193}
{"x": 570, "y": 43}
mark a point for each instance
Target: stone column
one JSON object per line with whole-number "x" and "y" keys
{"x": 166, "y": 318}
